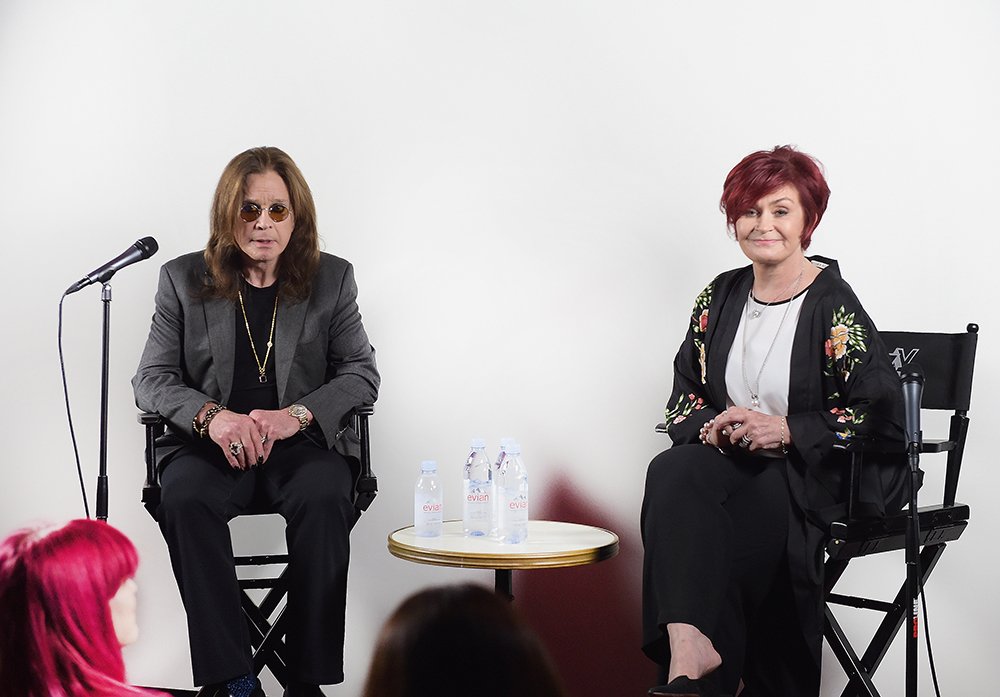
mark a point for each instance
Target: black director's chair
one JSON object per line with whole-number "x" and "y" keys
{"x": 947, "y": 361}
{"x": 265, "y": 619}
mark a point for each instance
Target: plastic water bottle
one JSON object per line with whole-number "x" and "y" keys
{"x": 498, "y": 470}
{"x": 428, "y": 504}
{"x": 477, "y": 507}
{"x": 513, "y": 524}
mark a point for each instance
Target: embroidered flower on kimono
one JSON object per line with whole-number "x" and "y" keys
{"x": 846, "y": 346}
{"x": 695, "y": 403}
{"x": 686, "y": 404}
{"x": 843, "y": 415}
{"x": 703, "y": 321}
{"x": 838, "y": 341}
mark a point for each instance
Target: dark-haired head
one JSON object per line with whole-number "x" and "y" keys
{"x": 762, "y": 172}
{"x": 457, "y": 641}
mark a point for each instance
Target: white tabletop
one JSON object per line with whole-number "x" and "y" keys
{"x": 550, "y": 544}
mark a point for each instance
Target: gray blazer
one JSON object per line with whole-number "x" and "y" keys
{"x": 323, "y": 359}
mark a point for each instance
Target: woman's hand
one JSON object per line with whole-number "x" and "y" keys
{"x": 753, "y": 430}
{"x": 240, "y": 439}
{"x": 712, "y": 434}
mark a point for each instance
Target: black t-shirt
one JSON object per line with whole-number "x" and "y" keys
{"x": 249, "y": 392}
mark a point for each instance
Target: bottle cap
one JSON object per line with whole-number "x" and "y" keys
{"x": 505, "y": 441}
{"x": 429, "y": 466}
{"x": 513, "y": 447}
{"x": 478, "y": 443}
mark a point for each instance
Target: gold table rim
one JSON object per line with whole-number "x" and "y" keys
{"x": 513, "y": 561}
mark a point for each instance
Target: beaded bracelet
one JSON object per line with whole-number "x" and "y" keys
{"x": 202, "y": 428}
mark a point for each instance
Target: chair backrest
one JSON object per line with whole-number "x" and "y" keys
{"x": 947, "y": 362}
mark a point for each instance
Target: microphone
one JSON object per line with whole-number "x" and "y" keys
{"x": 142, "y": 249}
{"x": 912, "y": 378}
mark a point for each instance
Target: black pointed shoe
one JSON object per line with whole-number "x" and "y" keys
{"x": 684, "y": 686}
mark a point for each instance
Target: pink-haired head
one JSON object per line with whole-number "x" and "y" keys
{"x": 55, "y": 587}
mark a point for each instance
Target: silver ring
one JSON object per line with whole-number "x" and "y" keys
{"x": 263, "y": 439}
{"x": 236, "y": 448}
{"x": 745, "y": 441}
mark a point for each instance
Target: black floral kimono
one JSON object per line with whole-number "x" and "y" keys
{"x": 842, "y": 387}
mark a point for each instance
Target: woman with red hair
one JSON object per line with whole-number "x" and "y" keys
{"x": 779, "y": 363}
{"x": 67, "y": 599}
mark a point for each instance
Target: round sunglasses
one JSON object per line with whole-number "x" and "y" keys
{"x": 277, "y": 212}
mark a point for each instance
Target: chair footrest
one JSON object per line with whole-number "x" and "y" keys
{"x": 862, "y": 603}
{"x": 855, "y": 538}
{"x": 247, "y": 583}
{"x": 261, "y": 559}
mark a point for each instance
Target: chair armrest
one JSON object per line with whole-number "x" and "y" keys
{"x": 367, "y": 485}
{"x": 660, "y": 428}
{"x": 148, "y": 418}
{"x": 866, "y": 445}
{"x": 155, "y": 426}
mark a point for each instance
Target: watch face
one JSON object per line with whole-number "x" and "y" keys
{"x": 301, "y": 413}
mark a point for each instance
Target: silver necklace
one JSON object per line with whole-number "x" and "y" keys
{"x": 757, "y": 312}
{"x": 755, "y": 390}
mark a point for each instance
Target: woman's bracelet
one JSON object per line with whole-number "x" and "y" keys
{"x": 784, "y": 446}
{"x": 202, "y": 428}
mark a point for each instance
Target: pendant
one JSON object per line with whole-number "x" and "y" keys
{"x": 754, "y": 401}
{"x": 754, "y": 314}
{"x": 263, "y": 378}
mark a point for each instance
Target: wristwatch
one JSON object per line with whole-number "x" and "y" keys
{"x": 301, "y": 413}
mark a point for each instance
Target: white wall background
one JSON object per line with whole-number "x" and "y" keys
{"x": 528, "y": 191}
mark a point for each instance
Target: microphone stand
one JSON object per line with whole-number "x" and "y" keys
{"x": 913, "y": 564}
{"x": 102, "y": 474}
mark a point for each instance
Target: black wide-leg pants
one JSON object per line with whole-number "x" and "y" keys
{"x": 715, "y": 534}
{"x": 312, "y": 489}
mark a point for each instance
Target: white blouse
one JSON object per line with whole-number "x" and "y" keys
{"x": 763, "y": 325}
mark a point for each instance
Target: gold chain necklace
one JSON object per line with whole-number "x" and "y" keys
{"x": 261, "y": 367}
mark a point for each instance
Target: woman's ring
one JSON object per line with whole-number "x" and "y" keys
{"x": 745, "y": 441}
{"x": 263, "y": 439}
{"x": 236, "y": 448}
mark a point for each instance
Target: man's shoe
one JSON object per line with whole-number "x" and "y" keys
{"x": 220, "y": 690}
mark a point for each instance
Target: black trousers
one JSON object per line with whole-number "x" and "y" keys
{"x": 715, "y": 536}
{"x": 312, "y": 488}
